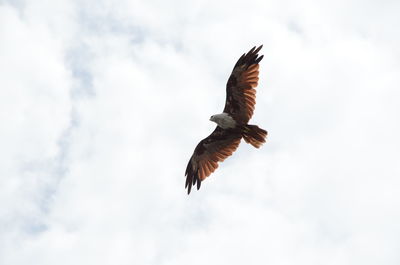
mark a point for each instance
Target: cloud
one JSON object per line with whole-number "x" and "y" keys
{"x": 102, "y": 104}
{"x": 35, "y": 107}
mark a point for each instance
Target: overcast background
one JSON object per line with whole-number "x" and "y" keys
{"x": 102, "y": 103}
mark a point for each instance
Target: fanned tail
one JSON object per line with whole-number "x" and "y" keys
{"x": 254, "y": 135}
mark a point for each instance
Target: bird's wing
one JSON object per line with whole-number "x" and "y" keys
{"x": 220, "y": 144}
{"x": 240, "y": 92}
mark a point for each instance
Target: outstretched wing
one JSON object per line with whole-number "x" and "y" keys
{"x": 220, "y": 144}
{"x": 240, "y": 92}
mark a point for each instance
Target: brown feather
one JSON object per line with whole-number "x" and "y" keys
{"x": 209, "y": 167}
{"x": 253, "y": 68}
{"x": 244, "y": 78}
{"x": 206, "y": 171}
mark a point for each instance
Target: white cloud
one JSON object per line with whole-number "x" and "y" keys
{"x": 102, "y": 104}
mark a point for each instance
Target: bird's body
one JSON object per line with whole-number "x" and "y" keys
{"x": 232, "y": 123}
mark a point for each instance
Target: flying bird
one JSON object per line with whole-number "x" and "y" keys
{"x": 232, "y": 123}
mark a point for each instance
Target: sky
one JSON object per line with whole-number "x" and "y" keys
{"x": 103, "y": 102}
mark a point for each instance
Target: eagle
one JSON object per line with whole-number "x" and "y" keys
{"x": 232, "y": 123}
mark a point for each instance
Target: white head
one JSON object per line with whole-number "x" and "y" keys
{"x": 212, "y": 118}
{"x": 223, "y": 120}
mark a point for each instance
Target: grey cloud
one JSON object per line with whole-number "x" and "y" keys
{"x": 108, "y": 101}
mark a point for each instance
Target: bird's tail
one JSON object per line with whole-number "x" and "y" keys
{"x": 254, "y": 135}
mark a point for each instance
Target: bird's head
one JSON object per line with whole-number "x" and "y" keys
{"x": 212, "y": 118}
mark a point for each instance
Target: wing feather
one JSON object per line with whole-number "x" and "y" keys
{"x": 240, "y": 86}
{"x": 219, "y": 145}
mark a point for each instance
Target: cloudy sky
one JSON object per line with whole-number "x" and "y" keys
{"x": 102, "y": 103}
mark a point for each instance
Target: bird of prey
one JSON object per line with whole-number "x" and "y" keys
{"x": 232, "y": 123}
